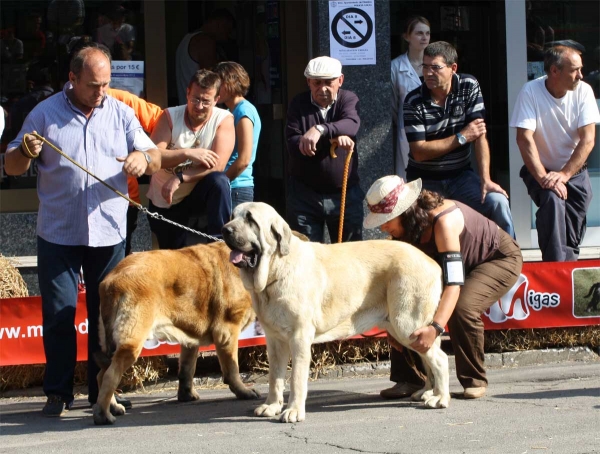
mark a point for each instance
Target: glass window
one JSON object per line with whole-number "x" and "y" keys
{"x": 574, "y": 23}
{"x": 36, "y": 40}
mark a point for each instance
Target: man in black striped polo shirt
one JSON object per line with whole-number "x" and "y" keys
{"x": 442, "y": 118}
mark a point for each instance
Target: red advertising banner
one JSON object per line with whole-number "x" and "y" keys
{"x": 546, "y": 295}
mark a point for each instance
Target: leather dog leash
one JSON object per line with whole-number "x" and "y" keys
{"x": 116, "y": 191}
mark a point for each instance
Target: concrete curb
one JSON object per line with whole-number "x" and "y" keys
{"x": 492, "y": 361}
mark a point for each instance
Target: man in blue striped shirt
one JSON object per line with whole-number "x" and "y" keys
{"x": 81, "y": 223}
{"x": 442, "y": 118}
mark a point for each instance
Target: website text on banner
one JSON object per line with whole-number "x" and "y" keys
{"x": 546, "y": 295}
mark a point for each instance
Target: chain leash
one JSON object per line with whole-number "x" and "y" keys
{"x": 119, "y": 193}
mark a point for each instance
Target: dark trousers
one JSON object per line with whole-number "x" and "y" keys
{"x": 308, "y": 212}
{"x": 560, "y": 224}
{"x": 58, "y": 274}
{"x": 132, "y": 222}
{"x": 484, "y": 285}
{"x": 241, "y": 195}
{"x": 466, "y": 188}
{"x": 210, "y": 196}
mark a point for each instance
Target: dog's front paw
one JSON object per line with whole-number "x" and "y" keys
{"x": 436, "y": 401}
{"x": 103, "y": 418}
{"x": 187, "y": 395}
{"x": 266, "y": 410}
{"x": 246, "y": 393}
{"x": 292, "y": 415}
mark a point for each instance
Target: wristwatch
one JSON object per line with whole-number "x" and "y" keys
{"x": 461, "y": 139}
{"x": 147, "y": 156}
{"x": 321, "y": 129}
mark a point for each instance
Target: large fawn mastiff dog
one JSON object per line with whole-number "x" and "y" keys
{"x": 192, "y": 296}
{"x": 305, "y": 293}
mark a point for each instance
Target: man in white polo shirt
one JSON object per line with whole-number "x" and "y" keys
{"x": 556, "y": 118}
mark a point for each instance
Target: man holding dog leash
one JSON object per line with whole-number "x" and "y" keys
{"x": 81, "y": 223}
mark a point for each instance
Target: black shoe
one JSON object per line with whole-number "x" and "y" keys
{"x": 56, "y": 406}
{"x": 125, "y": 402}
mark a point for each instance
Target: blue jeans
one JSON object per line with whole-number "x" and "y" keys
{"x": 241, "y": 195}
{"x": 58, "y": 274}
{"x": 210, "y": 196}
{"x": 466, "y": 188}
{"x": 561, "y": 224}
{"x": 308, "y": 212}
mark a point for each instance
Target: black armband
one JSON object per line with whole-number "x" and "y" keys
{"x": 453, "y": 268}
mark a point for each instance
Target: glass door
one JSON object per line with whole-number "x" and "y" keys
{"x": 531, "y": 27}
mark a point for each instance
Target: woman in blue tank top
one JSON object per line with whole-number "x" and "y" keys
{"x": 234, "y": 86}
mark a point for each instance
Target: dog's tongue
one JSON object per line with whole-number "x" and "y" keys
{"x": 236, "y": 256}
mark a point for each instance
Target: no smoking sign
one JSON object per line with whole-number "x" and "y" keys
{"x": 352, "y": 27}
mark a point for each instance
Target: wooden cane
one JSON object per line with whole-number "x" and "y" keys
{"x": 334, "y": 145}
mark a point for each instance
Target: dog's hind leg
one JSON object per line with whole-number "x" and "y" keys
{"x": 106, "y": 407}
{"x": 279, "y": 354}
{"x": 187, "y": 367}
{"x": 226, "y": 345}
{"x": 436, "y": 363}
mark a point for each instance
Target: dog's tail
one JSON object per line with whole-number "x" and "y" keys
{"x": 592, "y": 288}
{"x": 105, "y": 326}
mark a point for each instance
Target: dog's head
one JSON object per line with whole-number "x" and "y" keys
{"x": 256, "y": 234}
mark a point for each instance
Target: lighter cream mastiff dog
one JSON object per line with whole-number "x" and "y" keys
{"x": 192, "y": 296}
{"x": 305, "y": 293}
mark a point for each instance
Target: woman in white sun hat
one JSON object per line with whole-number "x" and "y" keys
{"x": 480, "y": 263}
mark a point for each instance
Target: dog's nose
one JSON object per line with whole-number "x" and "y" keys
{"x": 226, "y": 230}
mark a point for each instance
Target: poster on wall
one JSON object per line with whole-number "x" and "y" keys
{"x": 128, "y": 75}
{"x": 352, "y": 32}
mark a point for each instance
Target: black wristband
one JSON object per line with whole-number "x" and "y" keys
{"x": 438, "y": 328}
{"x": 179, "y": 175}
{"x": 22, "y": 151}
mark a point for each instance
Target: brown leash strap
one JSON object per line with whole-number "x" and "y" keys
{"x": 133, "y": 202}
{"x": 75, "y": 163}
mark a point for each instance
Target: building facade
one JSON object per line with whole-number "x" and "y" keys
{"x": 499, "y": 42}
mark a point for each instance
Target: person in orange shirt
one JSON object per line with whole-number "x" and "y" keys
{"x": 147, "y": 114}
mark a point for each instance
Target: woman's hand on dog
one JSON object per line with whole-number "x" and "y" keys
{"x": 423, "y": 338}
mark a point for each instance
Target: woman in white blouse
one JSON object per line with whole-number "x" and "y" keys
{"x": 406, "y": 73}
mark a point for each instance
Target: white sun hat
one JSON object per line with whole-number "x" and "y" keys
{"x": 323, "y": 68}
{"x": 389, "y": 197}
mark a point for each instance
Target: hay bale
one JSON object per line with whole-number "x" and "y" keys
{"x": 12, "y": 284}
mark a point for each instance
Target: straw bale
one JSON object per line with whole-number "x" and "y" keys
{"x": 12, "y": 284}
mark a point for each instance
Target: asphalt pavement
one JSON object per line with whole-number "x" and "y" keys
{"x": 541, "y": 408}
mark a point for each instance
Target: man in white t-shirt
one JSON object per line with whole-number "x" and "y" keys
{"x": 196, "y": 141}
{"x": 556, "y": 118}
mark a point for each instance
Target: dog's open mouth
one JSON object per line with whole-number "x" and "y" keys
{"x": 243, "y": 259}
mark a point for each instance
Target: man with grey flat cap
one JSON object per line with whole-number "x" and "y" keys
{"x": 317, "y": 118}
